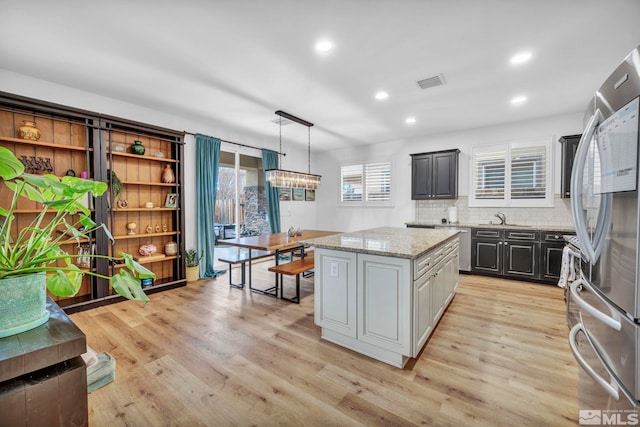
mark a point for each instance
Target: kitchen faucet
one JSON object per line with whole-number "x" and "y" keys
{"x": 502, "y": 218}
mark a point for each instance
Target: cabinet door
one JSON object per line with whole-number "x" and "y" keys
{"x": 486, "y": 256}
{"x": 452, "y": 275}
{"x": 423, "y": 319}
{"x": 551, "y": 262}
{"x": 421, "y": 171}
{"x": 335, "y": 291}
{"x": 438, "y": 292}
{"x": 520, "y": 259}
{"x": 445, "y": 173}
{"x": 384, "y": 302}
{"x": 569, "y": 147}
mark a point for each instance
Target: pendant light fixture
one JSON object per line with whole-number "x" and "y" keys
{"x": 290, "y": 179}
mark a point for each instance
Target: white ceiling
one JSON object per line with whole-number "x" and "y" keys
{"x": 234, "y": 63}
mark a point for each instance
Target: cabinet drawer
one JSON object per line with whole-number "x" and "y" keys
{"x": 553, "y": 236}
{"x": 421, "y": 265}
{"x": 426, "y": 262}
{"x": 487, "y": 233}
{"x": 522, "y": 235}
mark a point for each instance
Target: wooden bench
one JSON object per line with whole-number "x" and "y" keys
{"x": 242, "y": 259}
{"x": 294, "y": 268}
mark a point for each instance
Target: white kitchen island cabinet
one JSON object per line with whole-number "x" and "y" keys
{"x": 380, "y": 292}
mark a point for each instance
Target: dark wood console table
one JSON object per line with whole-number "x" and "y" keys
{"x": 43, "y": 379}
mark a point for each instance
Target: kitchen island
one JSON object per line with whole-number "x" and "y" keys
{"x": 381, "y": 292}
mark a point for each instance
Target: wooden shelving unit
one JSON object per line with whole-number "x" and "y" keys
{"x": 141, "y": 178}
{"x": 81, "y": 141}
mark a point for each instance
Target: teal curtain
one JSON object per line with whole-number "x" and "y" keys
{"x": 207, "y": 162}
{"x": 270, "y": 161}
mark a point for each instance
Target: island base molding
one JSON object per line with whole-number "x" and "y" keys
{"x": 375, "y": 352}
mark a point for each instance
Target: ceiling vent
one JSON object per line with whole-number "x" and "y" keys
{"x": 284, "y": 121}
{"x": 431, "y": 81}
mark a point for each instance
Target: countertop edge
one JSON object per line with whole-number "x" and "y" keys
{"x": 318, "y": 243}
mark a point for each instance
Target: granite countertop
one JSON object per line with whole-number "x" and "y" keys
{"x": 560, "y": 228}
{"x": 386, "y": 241}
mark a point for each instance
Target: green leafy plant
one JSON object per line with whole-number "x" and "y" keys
{"x": 114, "y": 183}
{"x": 192, "y": 258}
{"x": 37, "y": 247}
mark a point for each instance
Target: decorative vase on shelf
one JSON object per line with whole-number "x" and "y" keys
{"x": 28, "y": 130}
{"x": 171, "y": 248}
{"x": 137, "y": 148}
{"x": 168, "y": 177}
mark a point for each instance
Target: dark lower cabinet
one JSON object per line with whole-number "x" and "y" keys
{"x": 520, "y": 259}
{"x": 487, "y": 256}
{"x": 551, "y": 261}
{"x": 519, "y": 253}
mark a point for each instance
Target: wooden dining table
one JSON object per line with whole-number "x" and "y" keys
{"x": 276, "y": 242}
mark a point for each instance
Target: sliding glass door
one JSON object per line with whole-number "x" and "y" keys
{"x": 241, "y": 206}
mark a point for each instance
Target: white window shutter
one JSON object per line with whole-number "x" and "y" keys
{"x": 351, "y": 183}
{"x": 378, "y": 181}
{"x": 489, "y": 173}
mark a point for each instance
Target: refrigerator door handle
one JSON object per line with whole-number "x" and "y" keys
{"x": 607, "y": 320}
{"x": 577, "y": 180}
{"x": 612, "y": 388}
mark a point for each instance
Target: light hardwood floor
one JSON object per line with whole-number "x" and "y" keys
{"x": 210, "y": 355}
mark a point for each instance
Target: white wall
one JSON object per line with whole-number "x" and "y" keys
{"x": 331, "y": 216}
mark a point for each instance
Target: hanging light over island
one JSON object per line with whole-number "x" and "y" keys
{"x": 291, "y": 179}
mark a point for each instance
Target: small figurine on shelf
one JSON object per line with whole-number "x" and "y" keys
{"x": 149, "y": 228}
{"x": 48, "y": 167}
{"x": 168, "y": 177}
{"x": 164, "y": 227}
{"x": 157, "y": 228}
{"x": 131, "y": 227}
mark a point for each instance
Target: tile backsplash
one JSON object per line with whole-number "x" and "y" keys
{"x": 434, "y": 210}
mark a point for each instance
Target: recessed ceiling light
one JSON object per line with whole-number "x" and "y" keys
{"x": 324, "y": 46}
{"x": 520, "y": 58}
{"x": 518, "y": 100}
{"x": 382, "y": 95}
{"x": 410, "y": 120}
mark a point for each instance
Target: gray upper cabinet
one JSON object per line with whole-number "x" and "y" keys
{"x": 569, "y": 147}
{"x": 434, "y": 175}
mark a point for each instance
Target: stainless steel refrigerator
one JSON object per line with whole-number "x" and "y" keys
{"x": 605, "y": 208}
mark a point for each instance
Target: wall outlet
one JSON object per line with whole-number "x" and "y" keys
{"x": 334, "y": 269}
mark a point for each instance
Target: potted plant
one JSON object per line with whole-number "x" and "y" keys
{"x": 193, "y": 262}
{"x": 32, "y": 258}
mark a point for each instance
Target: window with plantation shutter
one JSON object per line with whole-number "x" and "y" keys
{"x": 378, "y": 181}
{"x": 513, "y": 174}
{"x": 351, "y": 180}
{"x": 528, "y": 173}
{"x": 366, "y": 184}
{"x": 489, "y": 170}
